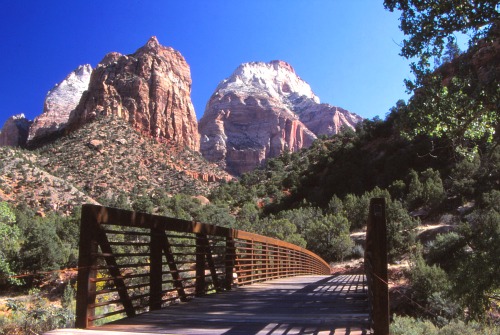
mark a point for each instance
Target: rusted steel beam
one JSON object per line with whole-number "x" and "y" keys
{"x": 230, "y": 259}
{"x": 85, "y": 295}
{"x": 200, "y": 266}
{"x": 376, "y": 266}
{"x": 174, "y": 271}
{"x": 155, "y": 269}
{"x": 114, "y": 271}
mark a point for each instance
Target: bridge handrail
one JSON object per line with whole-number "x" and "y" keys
{"x": 131, "y": 262}
{"x": 376, "y": 266}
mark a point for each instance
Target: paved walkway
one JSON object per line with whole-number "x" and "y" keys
{"x": 298, "y": 305}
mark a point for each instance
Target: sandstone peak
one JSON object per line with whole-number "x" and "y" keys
{"x": 153, "y": 47}
{"x": 262, "y": 110}
{"x": 60, "y": 101}
{"x": 153, "y": 43}
{"x": 151, "y": 89}
{"x": 276, "y": 79}
{"x": 110, "y": 58}
{"x": 14, "y": 131}
{"x": 282, "y": 64}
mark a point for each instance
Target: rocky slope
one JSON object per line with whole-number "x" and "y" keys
{"x": 15, "y": 131}
{"x": 150, "y": 89}
{"x": 61, "y": 100}
{"x": 108, "y": 158}
{"x": 262, "y": 110}
{"x": 25, "y": 181}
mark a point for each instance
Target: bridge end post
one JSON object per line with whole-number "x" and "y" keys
{"x": 87, "y": 262}
{"x": 376, "y": 266}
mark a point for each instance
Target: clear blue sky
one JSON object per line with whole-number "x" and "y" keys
{"x": 345, "y": 49}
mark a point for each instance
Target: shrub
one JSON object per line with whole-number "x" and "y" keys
{"x": 35, "y": 316}
{"x": 400, "y": 229}
{"x": 410, "y": 326}
{"x": 431, "y": 289}
{"x": 447, "y": 250}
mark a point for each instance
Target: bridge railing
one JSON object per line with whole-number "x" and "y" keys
{"x": 376, "y": 267}
{"x": 131, "y": 262}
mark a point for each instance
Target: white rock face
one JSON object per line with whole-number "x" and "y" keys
{"x": 262, "y": 110}
{"x": 59, "y": 102}
{"x": 275, "y": 80}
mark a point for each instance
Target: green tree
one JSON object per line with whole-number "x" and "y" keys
{"x": 430, "y": 25}
{"x": 433, "y": 192}
{"x": 477, "y": 276}
{"x": 356, "y": 209}
{"x": 10, "y": 235}
{"x": 415, "y": 190}
{"x": 430, "y": 286}
{"x": 328, "y": 236}
{"x": 247, "y": 217}
{"x": 42, "y": 249}
{"x": 455, "y": 101}
{"x": 400, "y": 229}
{"x": 281, "y": 229}
{"x": 217, "y": 215}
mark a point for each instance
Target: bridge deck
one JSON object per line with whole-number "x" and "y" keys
{"x": 297, "y": 305}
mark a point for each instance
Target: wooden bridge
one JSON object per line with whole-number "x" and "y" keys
{"x": 147, "y": 274}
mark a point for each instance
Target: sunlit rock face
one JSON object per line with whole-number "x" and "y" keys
{"x": 60, "y": 101}
{"x": 262, "y": 110}
{"x": 15, "y": 131}
{"x": 150, "y": 88}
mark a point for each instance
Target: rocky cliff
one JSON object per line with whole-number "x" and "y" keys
{"x": 15, "y": 131}
{"x": 150, "y": 89}
{"x": 260, "y": 111}
{"x": 61, "y": 100}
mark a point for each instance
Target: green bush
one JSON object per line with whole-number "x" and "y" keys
{"x": 411, "y": 326}
{"x": 10, "y": 235}
{"x": 329, "y": 237}
{"x": 400, "y": 229}
{"x": 431, "y": 290}
{"x": 447, "y": 250}
{"x": 35, "y": 315}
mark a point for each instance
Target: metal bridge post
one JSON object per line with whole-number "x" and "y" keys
{"x": 87, "y": 269}
{"x": 376, "y": 266}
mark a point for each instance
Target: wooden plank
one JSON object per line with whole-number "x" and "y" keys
{"x": 298, "y": 305}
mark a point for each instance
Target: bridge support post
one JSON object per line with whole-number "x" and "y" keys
{"x": 200, "y": 266}
{"x": 155, "y": 269}
{"x": 230, "y": 260}
{"x": 87, "y": 269}
{"x": 376, "y": 266}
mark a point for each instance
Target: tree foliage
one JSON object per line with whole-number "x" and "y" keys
{"x": 10, "y": 235}
{"x": 460, "y": 99}
{"x": 430, "y": 25}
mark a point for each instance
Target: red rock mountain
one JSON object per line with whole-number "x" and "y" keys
{"x": 262, "y": 110}
{"x": 150, "y": 89}
{"x": 15, "y": 131}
